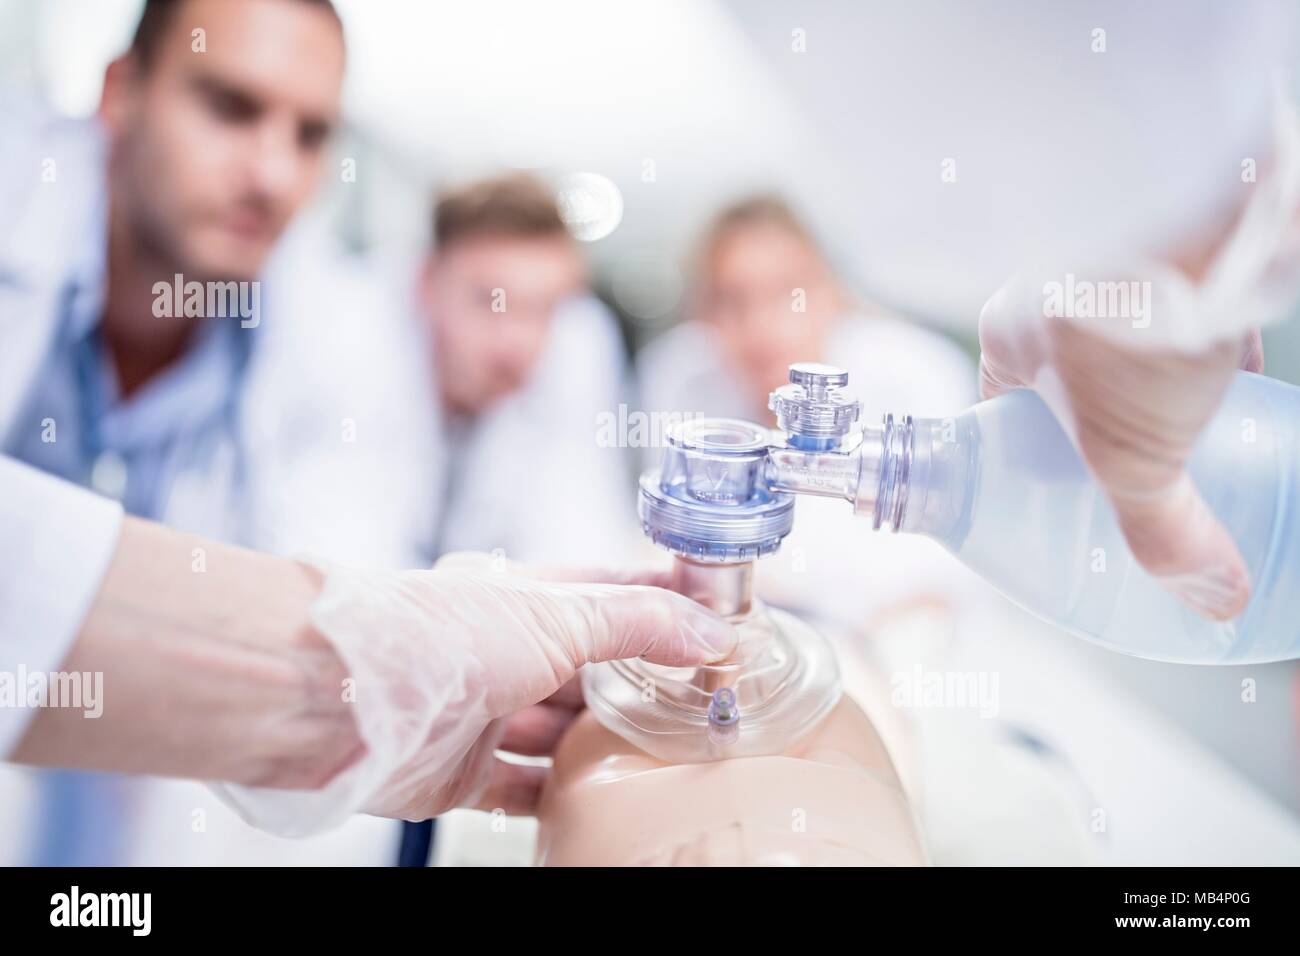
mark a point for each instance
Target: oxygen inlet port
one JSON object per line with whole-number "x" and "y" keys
{"x": 812, "y": 410}
{"x": 724, "y": 717}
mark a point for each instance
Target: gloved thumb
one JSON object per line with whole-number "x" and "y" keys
{"x": 621, "y": 621}
{"x": 619, "y": 616}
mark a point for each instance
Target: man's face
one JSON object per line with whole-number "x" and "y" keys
{"x": 215, "y": 151}
{"x": 771, "y": 299}
{"x": 490, "y": 301}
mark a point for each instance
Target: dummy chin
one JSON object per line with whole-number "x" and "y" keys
{"x": 831, "y": 799}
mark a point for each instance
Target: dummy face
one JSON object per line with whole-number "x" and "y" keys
{"x": 214, "y": 152}
{"x": 749, "y": 294}
{"x": 833, "y": 799}
{"x": 491, "y": 301}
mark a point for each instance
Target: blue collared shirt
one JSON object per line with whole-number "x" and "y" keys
{"x": 132, "y": 449}
{"x": 129, "y": 449}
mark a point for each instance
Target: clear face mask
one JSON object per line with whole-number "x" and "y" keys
{"x": 710, "y": 506}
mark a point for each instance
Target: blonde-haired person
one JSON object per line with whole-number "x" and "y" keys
{"x": 764, "y": 296}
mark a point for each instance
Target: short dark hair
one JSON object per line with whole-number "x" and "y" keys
{"x": 157, "y": 15}
{"x": 514, "y": 206}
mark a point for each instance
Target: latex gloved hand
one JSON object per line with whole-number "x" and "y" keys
{"x": 1134, "y": 356}
{"x": 452, "y": 664}
{"x": 1134, "y": 414}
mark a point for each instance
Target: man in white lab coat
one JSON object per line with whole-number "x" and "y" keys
{"x": 525, "y": 361}
{"x": 294, "y": 417}
{"x": 261, "y": 421}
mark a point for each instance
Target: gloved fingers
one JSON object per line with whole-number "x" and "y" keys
{"x": 595, "y": 622}
{"x": 513, "y": 788}
{"x": 530, "y": 637}
{"x": 1252, "y": 352}
{"x": 994, "y": 380}
{"x": 1176, "y": 537}
{"x": 1012, "y": 346}
{"x": 1014, "y": 334}
{"x": 1004, "y": 364}
{"x": 428, "y": 785}
{"x": 599, "y": 622}
{"x": 606, "y": 622}
{"x": 535, "y": 731}
{"x": 569, "y": 696}
{"x": 1137, "y": 416}
{"x": 1134, "y": 416}
{"x": 640, "y": 612}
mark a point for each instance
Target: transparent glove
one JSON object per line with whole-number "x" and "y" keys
{"x": 1134, "y": 358}
{"x": 1134, "y": 415}
{"x": 449, "y": 665}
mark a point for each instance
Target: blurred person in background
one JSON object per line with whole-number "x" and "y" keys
{"x": 523, "y": 359}
{"x": 262, "y": 424}
{"x": 764, "y": 297}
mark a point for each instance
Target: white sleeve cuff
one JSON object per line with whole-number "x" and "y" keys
{"x": 57, "y": 542}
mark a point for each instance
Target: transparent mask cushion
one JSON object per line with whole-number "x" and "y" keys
{"x": 711, "y": 508}
{"x": 781, "y": 682}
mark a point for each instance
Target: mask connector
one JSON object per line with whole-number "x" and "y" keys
{"x": 709, "y": 502}
{"x": 724, "y": 717}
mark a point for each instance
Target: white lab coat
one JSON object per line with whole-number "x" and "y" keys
{"x": 530, "y": 478}
{"x": 332, "y": 439}
{"x": 331, "y": 420}
{"x": 339, "y": 457}
{"x": 833, "y": 566}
